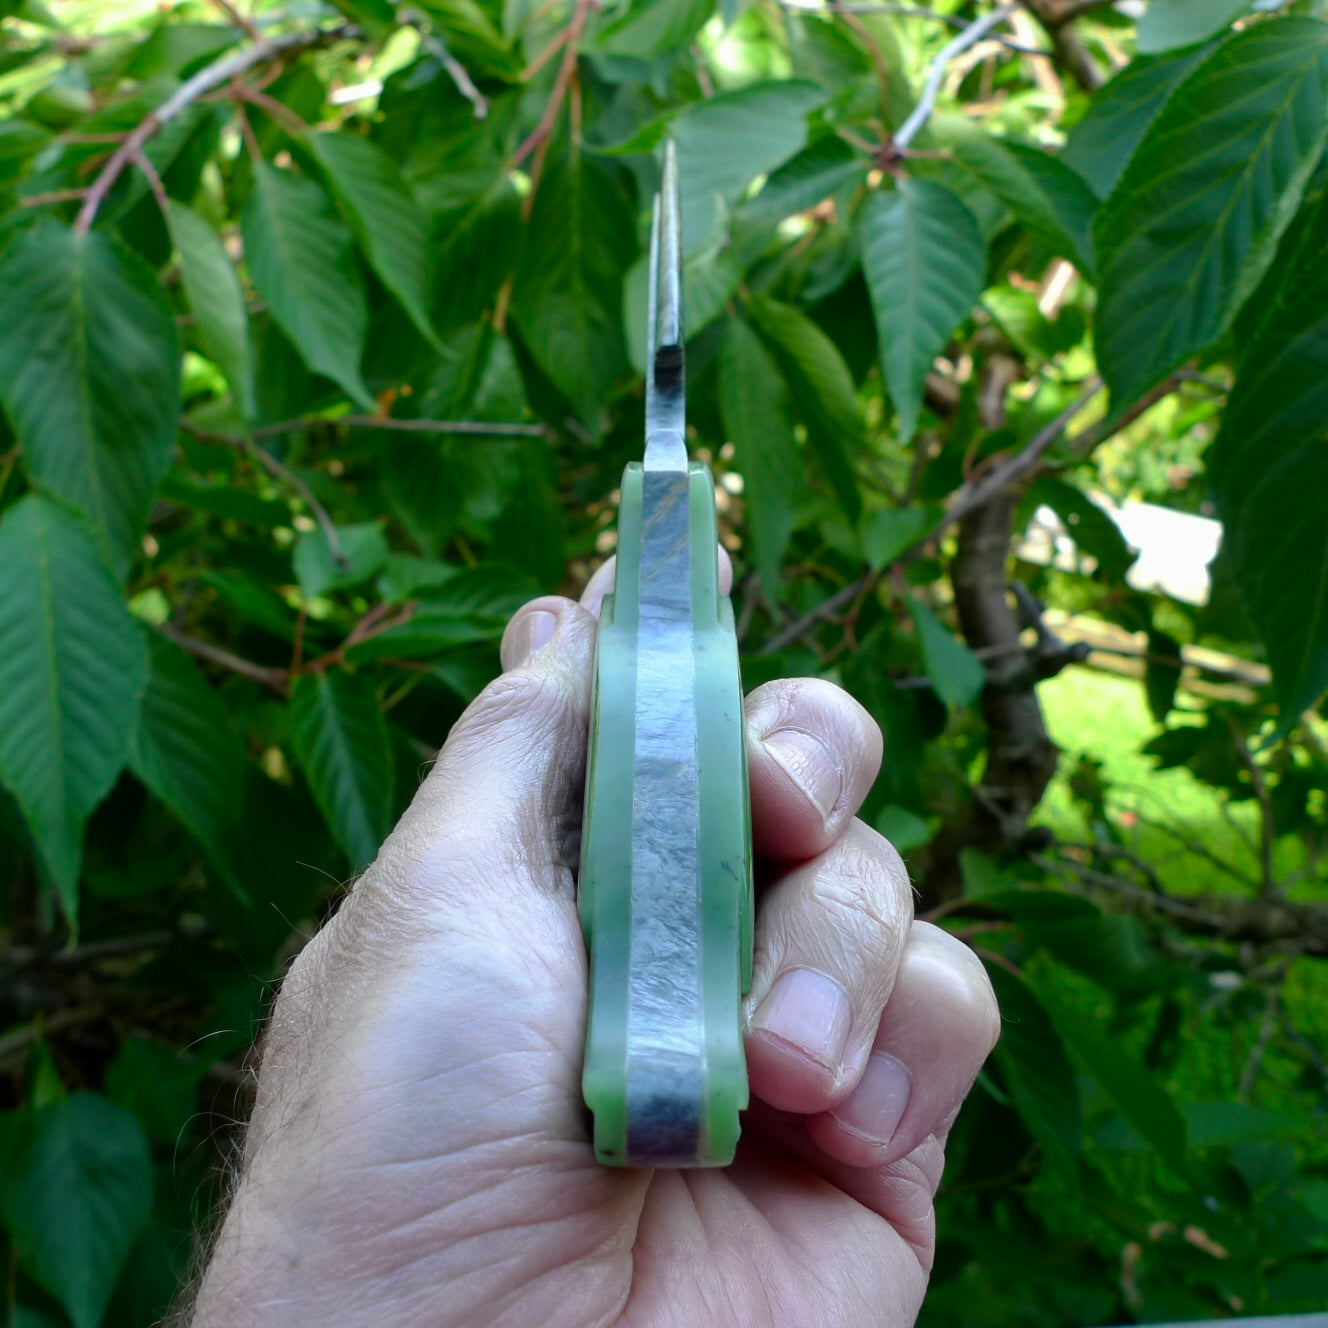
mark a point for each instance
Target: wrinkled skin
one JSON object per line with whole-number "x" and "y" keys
{"x": 419, "y": 1153}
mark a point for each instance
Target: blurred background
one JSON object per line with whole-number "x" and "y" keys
{"x": 321, "y": 338}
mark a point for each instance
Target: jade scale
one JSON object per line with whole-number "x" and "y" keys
{"x": 666, "y": 875}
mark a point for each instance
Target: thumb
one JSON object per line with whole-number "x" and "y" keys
{"x": 501, "y": 810}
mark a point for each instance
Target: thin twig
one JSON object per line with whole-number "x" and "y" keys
{"x": 499, "y": 429}
{"x": 436, "y": 47}
{"x": 280, "y": 473}
{"x": 1267, "y": 827}
{"x": 155, "y": 184}
{"x": 238, "y": 19}
{"x": 901, "y": 11}
{"x": 538, "y": 137}
{"x": 974, "y": 32}
{"x": 207, "y": 78}
{"x": 274, "y": 679}
{"x": 53, "y": 196}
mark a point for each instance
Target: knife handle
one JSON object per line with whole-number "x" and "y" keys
{"x": 665, "y": 891}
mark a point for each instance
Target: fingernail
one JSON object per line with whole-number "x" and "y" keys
{"x": 877, "y": 1104}
{"x": 808, "y": 763}
{"x": 810, "y": 1012}
{"x": 527, "y": 634}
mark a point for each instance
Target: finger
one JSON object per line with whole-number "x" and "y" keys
{"x": 829, "y": 937}
{"x": 940, "y": 1024}
{"x": 812, "y": 753}
{"x": 501, "y": 808}
{"x": 601, "y": 581}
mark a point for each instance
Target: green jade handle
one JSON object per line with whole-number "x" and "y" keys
{"x": 666, "y": 863}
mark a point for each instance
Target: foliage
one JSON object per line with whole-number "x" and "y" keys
{"x": 322, "y": 351}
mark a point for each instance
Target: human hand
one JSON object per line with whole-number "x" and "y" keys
{"x": 419, "y": 1152}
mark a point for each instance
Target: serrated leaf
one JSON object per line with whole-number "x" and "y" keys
{"x": 1167, "y": 24}
{"x": 1035, "y": 1066}
{"x": 822, "y": 390}
{"x": 567, "y": 296}
{"x": 1133, "y": 1091}
{"x": 89, "y": 376}
{"x": 185, "y": 748}
{"x": 341, "y": 741}
{"x": 158, "y": 1083}
{"x": 819, "y": 170}
{"x": 73, "y": 665}
{"x": 1161, "y": 674}
{"x": 646, "y": 31}
{"x": 1045, "y": 194}
{"x": 81, "y": 1194}
{"x": 472, "y": 38}
{"x": 363, "y": 549}
{"x": 757, "y": 414}
{"x": 1101, "y": 144}
{"x": 889, "y": 532}
{"x": 1091, "y": 529}
{"x": 1269, "y": 468}
{"x": 955, "y": 671}
{"x": 384, "y": 217}
{"x": 924, "y": 260}
{"x": 1197, "y": 215}
{"x": 213, "y": 289}
{"x": 298, "y": 252}
{"x": 726, "y": 141}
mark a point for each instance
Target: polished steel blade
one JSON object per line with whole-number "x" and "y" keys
{"x": 666, "y": 448}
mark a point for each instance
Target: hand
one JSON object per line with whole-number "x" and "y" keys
{"x": 419, "y": 1152}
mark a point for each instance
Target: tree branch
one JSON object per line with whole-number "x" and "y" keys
{"x": 1290, "y": 927}
{"x": 901, "y": 11}
{"x": 275, "y": 680}
{"x": 931, "y": 89}
{"x": 207, "y": 78}
{"x": 437, "y": 48}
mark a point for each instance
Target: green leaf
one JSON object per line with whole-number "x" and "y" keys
{"x": 1268, "y": 467}
{"x": 1196, "y": 217}
{"x": 318, "y": 569}
{"x": 158, "y": 1083}
{"x": 1035, "y": 1066}
{"x": 955, "y": 671}
{"x": 383, "y": 215}
{"x": 1101, "y": 144}
{"x": 1134, "y": 1092}
{"x": 924, "y": 260}
{"x": 1044, "y": 193}
{"x": 646, "y": 31}
{"x": 213, "y": 289}
{"x": 341, "y": 742}
{"x": 726, "y": 141}
{"x": 78, "y": 1200}
{"x": 1091, "y": 529}
{"x": 89, "y": 376}
{"x": 904, "y": 829}
{"x": 1167, "y": 24}
{"x": 185, "y": 748}
{"x": 754, "y": 405}
{"x": 889, "y": 532}
{"x": 821, "y": 169}
{"x": 822, "y": 390}
{"x": 1161, "y": 674}
{"x": 567, "y": 296}
{"x": 472, "y": 38}
{"x": 73, "y": 665}
{"x": 299, "y": 255}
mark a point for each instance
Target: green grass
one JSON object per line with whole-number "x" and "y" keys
{"x": 1169, "y": 818}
